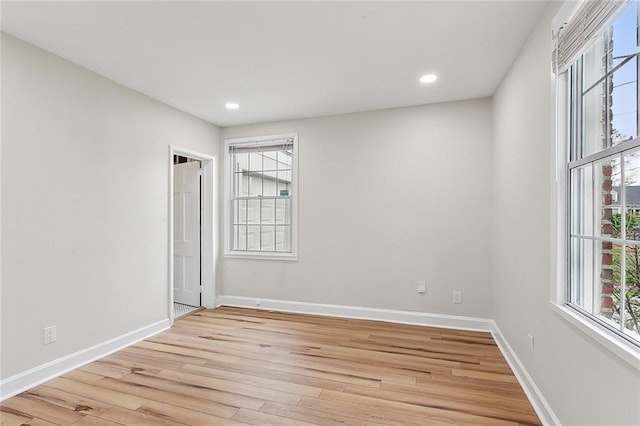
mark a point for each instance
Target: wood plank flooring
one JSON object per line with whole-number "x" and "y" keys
{"x": 232, "y": 366}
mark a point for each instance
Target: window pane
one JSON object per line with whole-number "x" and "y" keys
{"x": 595, "y": 126}
{"x": 239, "y": 237}
{"x": 283, "y": 239}
{"x": 607, "y": 197}
{"x": 284, "y": 182}
{"x": 283, "y": 211}
{"x": 624, "y": 33}
{"x": 270, "y": 184}
{"x": 632, "y": 195}
{"x": 284, "y": 159}
{"x": 255, "y": 184}
{"x": 255, "y": 162}
{"x": 595, "y": 61}
{"x": 240, "y": 212}
{"x": 241, "y": 185}
{"x": 268, "y": 238}
{"x": 632, "y": 326}
{"x": 253, "y": 211}
{"x": 582, "y": 200}
{"x": 624, "y": 103}
{"x": 253, "y": 237}
{"x": 268, "y": 212}
{"x": 610, "y": 108}
{"x": 596, "y": 281}
{"x": 582, "y": 273}
{"x": 270, "y": 160}
{"x": 609, "y": 289}
{"x": 621, "y": 308}
{"x": 241, "y": 161}
{"x": 631, "y": 301}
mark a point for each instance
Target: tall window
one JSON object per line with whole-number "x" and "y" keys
{"x": 603, "y": 170}
{"x": 261, "y": 188}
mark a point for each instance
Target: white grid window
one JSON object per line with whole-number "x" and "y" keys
{"x": 603, "y": 174}
{"x": 261, "y": 196}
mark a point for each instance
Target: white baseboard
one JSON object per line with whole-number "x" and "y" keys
{"x": 35, "y": 376}
{"x": 375, "y": 314}
{"x": 23, "y": 381}
{"x": 542, "y": 407}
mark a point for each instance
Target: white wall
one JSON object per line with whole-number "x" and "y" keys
{"x": 386, "y": 198}
{"x": 583, "y": 382}
{"x": 458, "y": 194}
{"x": 84, "y": 205}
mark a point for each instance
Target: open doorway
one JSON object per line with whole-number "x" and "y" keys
{"x": 187, "y": 248}
{"x": 191, "y": 239}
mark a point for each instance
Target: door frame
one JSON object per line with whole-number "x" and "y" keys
{"x": 208, "y": 209}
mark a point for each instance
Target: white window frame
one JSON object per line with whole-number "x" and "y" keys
{"x": 228, "y": 169}
{"x": 618, "y": 345}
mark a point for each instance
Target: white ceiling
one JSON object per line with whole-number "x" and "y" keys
{"x": 286, "y": 59}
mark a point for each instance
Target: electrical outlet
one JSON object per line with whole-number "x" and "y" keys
{"x": 49, "y": 335}
{"x": 457, "y": 297}
{"x": 531, "y": 344}
{"x": 422, "y": 287}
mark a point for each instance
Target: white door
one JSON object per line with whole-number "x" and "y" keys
{"x": 186, "y": 233}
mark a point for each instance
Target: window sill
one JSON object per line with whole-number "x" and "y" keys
{"x": 619, "y": 346}
{"x": 261, "y": 256}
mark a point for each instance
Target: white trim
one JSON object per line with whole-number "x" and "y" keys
{"x": 564, "y": 15}
{"x": 583, "y": 23}
{"x": 261, "y": 256}
{"x": 374, "y": 314}
{"x": 35, "y": 376}
{"x": 22, "y": 381}
{"x": 209, "y": 209}
{"x": 560, "y": 216}
{"x": 257, "y": 140}
{"x": 614, "y": 343}
{"x": 539, "y": 403}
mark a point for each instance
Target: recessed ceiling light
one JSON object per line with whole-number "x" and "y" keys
{"x": 232, "y": 105}
{"x": 428, "y": 78}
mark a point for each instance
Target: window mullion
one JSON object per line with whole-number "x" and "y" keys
{"x": 231, "y": 207}
{"x": 623, "y": 284}
{"x": 261, "y": 193}
{"x": 623, "y": 234}
{"x": 638, "y": 81}
{"x": 608, "y": 78}
{"x": 571, "y": 154}
{"x": 596, "y": 255}
{"x": 275, "y": 203}
{"x": 580, "y": 148}
{"x": 260, "y": 222}
{"x": 623, "y": 200}
{"x": 621, "y": 147}
{"x": 613, "y": 240}
{"x": 246, "y": 221}
{"x": 234, "y": 205}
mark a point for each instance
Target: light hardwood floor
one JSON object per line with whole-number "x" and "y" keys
{"x": 233, "y": 366}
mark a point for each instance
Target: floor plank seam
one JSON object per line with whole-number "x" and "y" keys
{"x": 245, "y": 366}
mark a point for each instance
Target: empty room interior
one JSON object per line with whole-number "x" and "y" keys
{"x": 361, "y": 213}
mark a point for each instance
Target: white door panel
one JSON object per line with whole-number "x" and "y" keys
{"x": 186, "y": 233}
